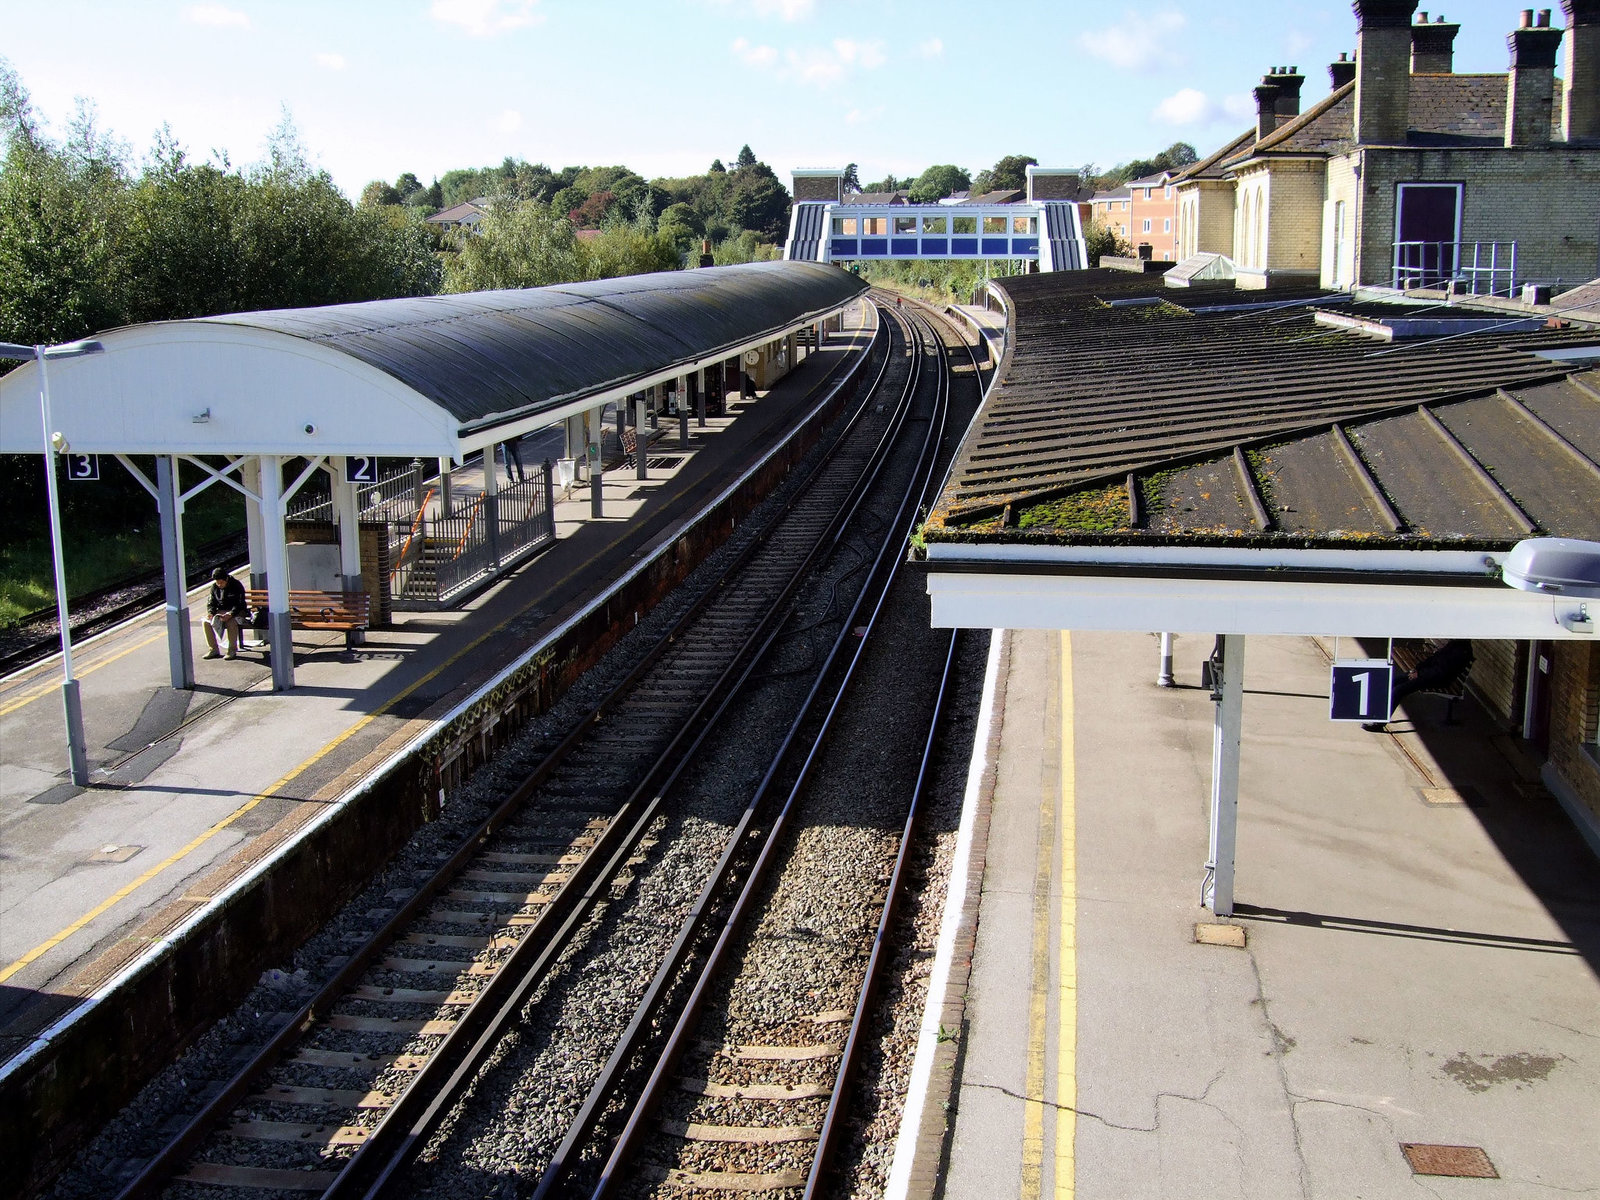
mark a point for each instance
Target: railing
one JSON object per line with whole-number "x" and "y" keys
{"x": 446, "y": 552}
{"x": 394, "y": 494}
{"x": 1485, "y": 268}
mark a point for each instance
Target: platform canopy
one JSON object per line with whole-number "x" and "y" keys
{"x": 429, "y": 376}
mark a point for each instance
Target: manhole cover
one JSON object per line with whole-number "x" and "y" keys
{"x": 1461, "y": 1162}
{"x": 114, "y": 854}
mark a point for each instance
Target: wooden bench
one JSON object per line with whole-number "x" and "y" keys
{"x": 345, "y": 612}
{"x": 630, "y": 442}
{"x": 1408, "y": 655}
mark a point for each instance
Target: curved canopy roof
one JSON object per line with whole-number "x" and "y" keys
{"x": 435, "y": 375}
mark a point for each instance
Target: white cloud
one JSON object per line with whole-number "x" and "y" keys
{"x": 754, "y": 56}
{"x": 510, "y": 121}
{"x": 858, "y": 116}
{"x": 1137, "y": 43}
{"x": 1190, "y": 106}
{"x": 485, "y": 18}
{"x": 932, "y": 48}
{"x": 333, "y": 62}
{"x": 217, "y": 16}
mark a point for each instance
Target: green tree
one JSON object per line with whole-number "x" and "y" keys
{"x": 516, "y": 246}
{"x": 1099, "y": 240}
{"x": 852, "y": 179}
{"x": 378, "y": 192}
{"x": 937, "y": 182}
{"x": 746, "y": 157}
{"x": 717, "y": 168}
{"x": 1010, "y": 172}
{"x": 757, "y": 201}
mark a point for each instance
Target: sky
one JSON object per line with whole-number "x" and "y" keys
{"x": 665, "y": 86}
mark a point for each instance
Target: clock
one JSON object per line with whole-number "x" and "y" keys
{"x": 752, "y": 357}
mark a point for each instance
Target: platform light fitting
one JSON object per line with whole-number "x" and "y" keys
{"x": 1564, "y": 567}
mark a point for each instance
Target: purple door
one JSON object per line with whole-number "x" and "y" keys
{"x": 1426, "y": 232}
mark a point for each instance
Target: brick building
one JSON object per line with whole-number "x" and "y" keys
{"x": 1113, "y": 209}
{"x": 1409, "y": 174}
{"x": 1153, "y": 217}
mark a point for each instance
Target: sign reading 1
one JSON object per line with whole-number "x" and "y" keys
{"x": 1360, "y": 689}
{"x": 361, "y": 468}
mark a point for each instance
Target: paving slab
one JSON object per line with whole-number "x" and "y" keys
{"x": 1413, "y": 972}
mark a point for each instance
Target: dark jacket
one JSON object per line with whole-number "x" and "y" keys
{"x": 228, "y": 597}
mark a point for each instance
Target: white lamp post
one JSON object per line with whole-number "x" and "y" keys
{"x": 54, "y": 443}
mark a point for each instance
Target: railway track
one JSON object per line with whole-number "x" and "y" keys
{"x": 748, "y": 1091}
{"x": 355, "y": 1081}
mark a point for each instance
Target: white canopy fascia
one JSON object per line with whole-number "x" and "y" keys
{"x": 1353, "y": 593}
{"x": 196, "y": 388}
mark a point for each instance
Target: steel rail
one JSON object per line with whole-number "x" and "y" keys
{"x": 184, "y": 1144}
{"x": 887, "y": 565}
{"x": 405, "y": 1127}
{"x": 689, "y": 931}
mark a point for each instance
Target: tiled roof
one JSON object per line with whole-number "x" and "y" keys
{"x": 1003, "y": 196}
{"x": 457, "y": 213}
{"x": 1155, "y": 423}
{"x": 1213, "y": 165}
{"x": 875, "y": 198}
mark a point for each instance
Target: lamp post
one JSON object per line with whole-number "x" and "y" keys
{"x": 71, "y": 704}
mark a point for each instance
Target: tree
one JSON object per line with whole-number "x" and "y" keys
{"x": 1010, "y": 172}
{"x": 592, "y": 212}
{"x": 717, "y": 168}
{"x": 937, "y": 182}
{"x": 851, "y": 181}
{"x": 1099, "y": 240}
{"x": 407, "y": 185}
{"x": 378, "y": 192}
{"x": 757, "y": 201}
{"x": 746, "y": 157}
{"x": 888, "y": 184}
{"x": 516, "y": 245}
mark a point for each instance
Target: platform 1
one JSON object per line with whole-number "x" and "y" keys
{"x": 190, "y": 788}
{"x": 1413, "y": 960}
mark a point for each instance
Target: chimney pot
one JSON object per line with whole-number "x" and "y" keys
{"x": 1422, "y": 18}
{"x": 1543, "y": 21}
{"x": 1531, "y": 85}
{"x": 1527, "y": 19}
{"x": 1433, "y": 47}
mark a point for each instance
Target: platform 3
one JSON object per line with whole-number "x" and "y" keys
{"x": 191, "y": 788}
{"x": 1414, "y": 959}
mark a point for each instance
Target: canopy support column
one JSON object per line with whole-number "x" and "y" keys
{"x": 683, "y": 411}
{"x": 1217, "y": 891}
{"x": 491, "y": 500}
{"x": 254, "y": 527}
{"x": 347, "y": 513}
{"x": 697, "y": 384}
{"x": 594, "y": 426}
{"x": 641, "y": 441}
{"x": 275, "y": 546}
{"x": 180, "y": 652}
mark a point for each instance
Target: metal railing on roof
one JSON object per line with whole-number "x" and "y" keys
{"x": 1484, "y": 268}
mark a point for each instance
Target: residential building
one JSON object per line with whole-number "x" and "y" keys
{"x": 1409, "y": 174}
{"x": 465, "y": 215}
{"x": 1153, "y": 215}
{"x": 1113, "y": 209}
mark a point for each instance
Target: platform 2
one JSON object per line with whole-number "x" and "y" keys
{"x": 1413, "y": 961}
{"x": 190, "y": 788}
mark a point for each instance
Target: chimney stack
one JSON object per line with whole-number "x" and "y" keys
{"x": 1531, "y": 87}
{"x": 1433, "y": 46}
{"x": 1580, "y": 116}
{"x": 1267, "y": 94}
{"x": 1289, "y": 81}
{"x": 1341, "y": 72}
{"x": 1383, "y": 71}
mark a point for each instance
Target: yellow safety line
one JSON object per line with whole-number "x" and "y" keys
{"x": 128, "y": 889}
{"x": 28, "y": 698}
{"x": 1033, "y": 1090}
{"x": 1067, "y": 1002}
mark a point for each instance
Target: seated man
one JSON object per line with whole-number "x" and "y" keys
{"x": 1437, "y": 672}
{"x": 225, "y": 610}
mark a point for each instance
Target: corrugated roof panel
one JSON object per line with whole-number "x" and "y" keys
{"x": 491, "y": 356}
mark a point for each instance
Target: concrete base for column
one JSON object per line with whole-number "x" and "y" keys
{"x": 180, "y": 647}
{"x": 281, "y": 635}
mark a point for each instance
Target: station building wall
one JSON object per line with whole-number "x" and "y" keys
{"x": 1574, "y": 716}
{"x": 1541, "y": 197}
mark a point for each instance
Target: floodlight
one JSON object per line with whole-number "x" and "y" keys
{"x": 1555, "y": 566}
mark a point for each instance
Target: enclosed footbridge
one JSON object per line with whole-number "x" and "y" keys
{"x": 1040, "y": 228}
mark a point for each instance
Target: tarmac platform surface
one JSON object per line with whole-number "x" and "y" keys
{"x": 1420, "y": 945}
{"x": 189, "y": 787}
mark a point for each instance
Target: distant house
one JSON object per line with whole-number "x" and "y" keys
{"x": 900, "y": 197}
{"x": 1153, "y": 214}
{"x": 1409, "y": 174}
{"x": 465, "y": 215}
{"x": 999, "y": 196}
{"x": 1112, "y": 209}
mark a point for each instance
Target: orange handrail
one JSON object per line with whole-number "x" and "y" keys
{"x": 461, "y": 546}
{"x": 415, "y": 525}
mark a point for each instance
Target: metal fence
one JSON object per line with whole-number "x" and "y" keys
{"x": 435, "y": 554}
{"x": 398, "y": 491}
{"x": 1486, "y": 268}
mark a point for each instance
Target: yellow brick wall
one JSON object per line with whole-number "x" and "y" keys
{"x": 1574, "y": 709}
{"x": 1342, "y": 187}
{"x": 1294, "y": 215}
{"x": 1206, "y": 217}
{"x": 1544, "y": 199}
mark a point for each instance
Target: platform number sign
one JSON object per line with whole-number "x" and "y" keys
{"x": 83, "y": 467}
{"x": 1360, "y": 689}
{"x": 361, "y": 468}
